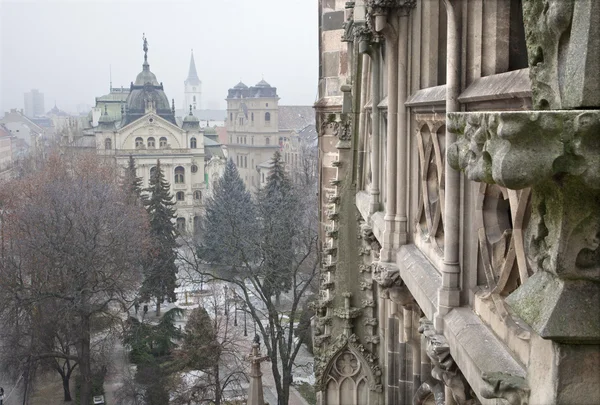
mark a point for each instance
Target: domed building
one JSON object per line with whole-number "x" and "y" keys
{"x": 148, "y": 131}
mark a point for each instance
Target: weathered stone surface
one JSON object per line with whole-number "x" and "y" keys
{"x": 561, "y": 310}
{"x": 518, "y": 149}
{"x": 333, "y": 20}
{"x": 563, "y": 48}
{"x": 489, "y": 368}
{"x": 331, "y": 64}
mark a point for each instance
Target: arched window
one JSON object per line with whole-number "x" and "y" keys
{"x": 139, "y": 143}
{"x": 194, "y": 169}
{"x": 152, "y": 171}
{"x": 181, "y": 224}
{"x": 193, "y": 143}
{"x": 194, "y": 99}
{"x": 230, "y": 116}
{"x": 267, "y": 117}
{"x": 198, "y": 195}
{"x": 180, "y": 196}
{"x": 179, "y": 175}
{"x": 108, "y": 143}
{"x": 162, "y": 142}
{"x": 252, "y": 117}
{"x": 267, "y": 141}
{"x": 151, "y": 142}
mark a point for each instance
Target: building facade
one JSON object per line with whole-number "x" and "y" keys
{"x": 148, "y": 131}
{"x": 29, "y": 137}
{"x": 257, "y": 126}
{"x": 113, "y": 103}
{"x": 34, "y": 103}
{"x": 252, "y": 127}
{"x": 6, "y": 154}
{"x": 459, "y": 186}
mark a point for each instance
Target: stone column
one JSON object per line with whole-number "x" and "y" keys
{"x": 449, "y": 293}
{"x": 255, "y": 391}
{"x": 388, "y": 26}
{"x": 403, "y": 116}
{"x": 375, "y": 55}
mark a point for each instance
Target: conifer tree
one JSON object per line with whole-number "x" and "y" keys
{"x": 229, "y": 225}
{"x": 132, "y": 184}
{"x": 277, "y": 202}
{"x": 160, "y": 270}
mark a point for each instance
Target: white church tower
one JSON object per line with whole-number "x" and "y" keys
{"x": 193, "y": 88}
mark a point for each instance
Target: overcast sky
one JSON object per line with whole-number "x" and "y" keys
{"x": 64, "y": 48}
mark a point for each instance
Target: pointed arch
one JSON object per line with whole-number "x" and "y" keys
{"x": 365, "y": 374}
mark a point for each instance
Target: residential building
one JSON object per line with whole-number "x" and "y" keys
{"x": 257, "y": 126}
{"x": 300, "y": 154}
{"x": 34, "y": 103}
{"x": 460, "y": 209}
{"x": 149, "y": 132}
{"x": 29, "y": 136}
{"x": 6, "y": 154}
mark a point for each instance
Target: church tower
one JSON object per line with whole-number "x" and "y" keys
{"x": 193, "y": 87}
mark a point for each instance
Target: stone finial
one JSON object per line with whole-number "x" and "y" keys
{"x": 255, "y": 391}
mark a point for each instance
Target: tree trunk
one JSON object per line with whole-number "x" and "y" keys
{"x": 85, "y": 368}
{"x": 285, "y": 389}
{"x": 66, "y": 389}
{"x": 218, "y": 392}
{"x": 157, "y": 308}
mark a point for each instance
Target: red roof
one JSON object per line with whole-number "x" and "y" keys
{"x": 222, "y": 135}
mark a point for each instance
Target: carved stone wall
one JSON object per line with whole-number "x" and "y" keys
{"x": 430, "y": 142}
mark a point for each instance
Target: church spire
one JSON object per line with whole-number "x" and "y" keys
{"x": 192, "y": 74}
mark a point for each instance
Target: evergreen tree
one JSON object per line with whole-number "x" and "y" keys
{"x": 132, "y": 184}
{"x": 160, "y": 270}
{"x": 200, "y": 349}
{"x": 277, "y": 202}
{"x": 229, "y": 225}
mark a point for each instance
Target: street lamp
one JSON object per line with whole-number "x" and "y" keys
{"x": 245, "y": 327}
{"x": 236, "y": 308}
{"x": 225, "y": 289}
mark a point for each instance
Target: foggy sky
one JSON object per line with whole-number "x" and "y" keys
{"x": 64, "y": 48}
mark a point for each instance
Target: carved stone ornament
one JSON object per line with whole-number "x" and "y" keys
{"x": 443, "y": 367}
{"x": 348, "y": 25}
{"x": 382, "y": 6}
{"x": 324, "y": 361}
{"x": 345, "y": 133}
{"x": 512, "y": 388}
{"x": 562, "y": 46}
{"x": 386, "y": 274}
{"x": 557, "y": 154}
{"x": 518, "y": 149}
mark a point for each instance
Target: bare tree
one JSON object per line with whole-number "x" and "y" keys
{"x": 211, "y": 353}
{"x": 240, "y": 236}
{"x": 70, "y": 252}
